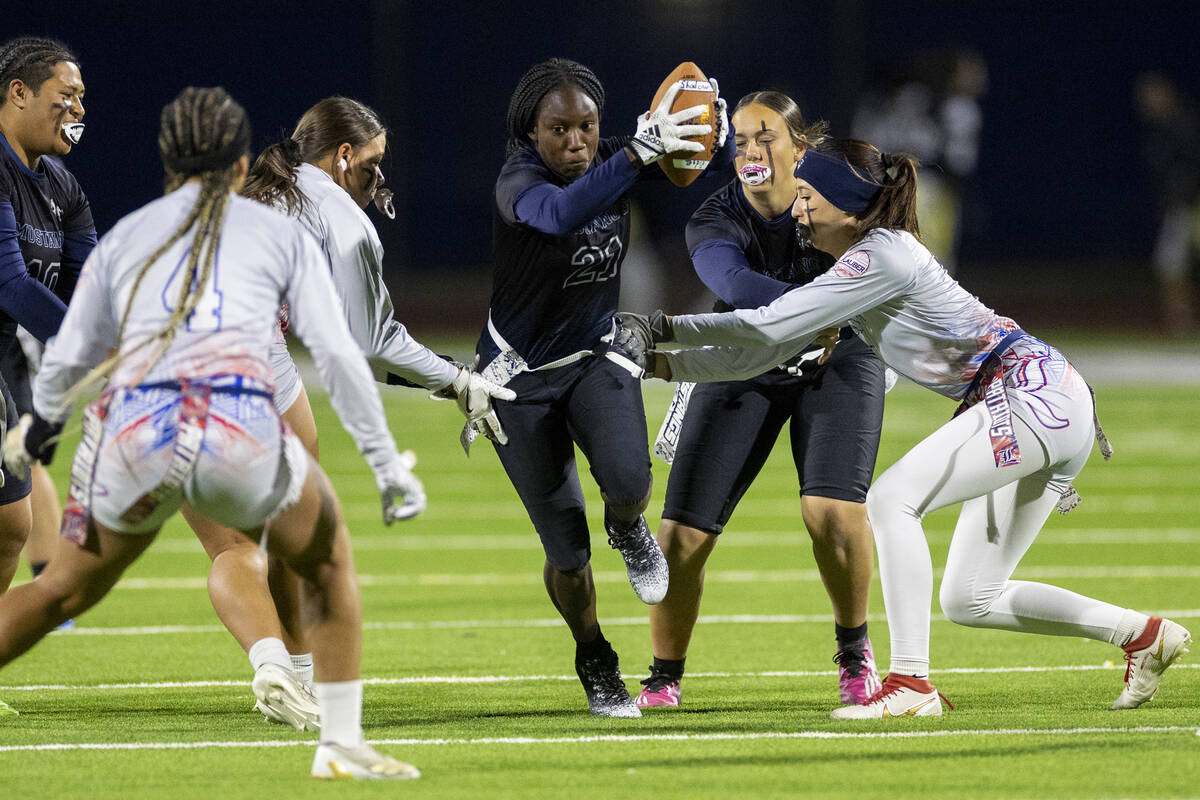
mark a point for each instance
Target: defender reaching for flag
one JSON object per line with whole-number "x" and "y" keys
{"x": 1023, "y": 431}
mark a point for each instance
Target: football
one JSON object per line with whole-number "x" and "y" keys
{"x": 683, "y": 168}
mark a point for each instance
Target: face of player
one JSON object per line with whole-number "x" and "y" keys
{"x": 765, "y": 156}
{"x": 362, "y": 175}
{"x": 59, "y": 101}
{"x": 831, "y": 229}
{"x": 567, "y": 131}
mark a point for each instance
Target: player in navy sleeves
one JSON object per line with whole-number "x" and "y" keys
{"x": 748, "y": 250}
{"x": 46, "y": 233}
{"x": 561, "y": 229}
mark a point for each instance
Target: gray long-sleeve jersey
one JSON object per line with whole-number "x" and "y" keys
{"x": 888, "y": 287}
{"x": 264, "y": 258}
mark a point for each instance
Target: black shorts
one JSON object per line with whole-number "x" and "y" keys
{"x": 730, "y": 428}
{"x": 13, "y": 489}
{"x": 593, "y": 404}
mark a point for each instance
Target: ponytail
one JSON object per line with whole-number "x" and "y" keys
{"x": 896, "y": 206}
{"x": 273, "y": 176}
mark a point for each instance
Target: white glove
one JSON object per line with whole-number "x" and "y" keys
{"x": 474, "y": 394}
{"x": 722, "y": 116}
{"x": 402, "y": 494}
{"x": 660, "y": 132}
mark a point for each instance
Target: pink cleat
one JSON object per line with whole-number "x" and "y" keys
{"x": 858, "y": 679}
{"x": 660, "y": 692}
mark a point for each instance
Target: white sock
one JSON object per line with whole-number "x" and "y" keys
{"x": 269, "y": 651}
{"x": 917, "y": 669}
{"x": 302, "y": 665}
{"x": 341, "y": 712}
{"x": 1130, "y": 627}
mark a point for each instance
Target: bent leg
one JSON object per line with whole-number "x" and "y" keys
{"x": 75, "y": 580}
{"x": 311, "y": 537}
{"x": 15, "y": 521}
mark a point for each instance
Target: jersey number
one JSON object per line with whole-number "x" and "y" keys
{"x": 596, "y": 264}
{"x": 47, "y": 276}
{"x": 207, "y": 314}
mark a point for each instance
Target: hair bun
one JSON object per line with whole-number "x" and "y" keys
{"x": 291, "y": 150}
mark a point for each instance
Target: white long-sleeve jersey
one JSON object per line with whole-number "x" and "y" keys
{"x": 355, "y": 256}
{"x": 888, "y": 287}
{"x": 264, "y": 258}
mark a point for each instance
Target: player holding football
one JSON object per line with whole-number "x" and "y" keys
{"x": 749, "y": 251}
{"x": 188, "y": 412}
{"x": 1023, "y": 431}
{"x": 46, "y": 233}
{"x": 561, "y": 229}
{"x": 324, "y": 175}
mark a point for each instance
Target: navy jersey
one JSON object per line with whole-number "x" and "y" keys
{"x": 46, "y": 233}
{"x": 771, "y": 247}
{"x": 554, "y": 295}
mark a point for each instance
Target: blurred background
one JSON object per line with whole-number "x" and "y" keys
{"x": 1059, "y": 138}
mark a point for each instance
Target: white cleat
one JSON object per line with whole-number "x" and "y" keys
{"x": 901, "y": 696}
{"x": 334, "y": 761}
{"x": 283, "y": 698}
{"x": 1147, "y": 657}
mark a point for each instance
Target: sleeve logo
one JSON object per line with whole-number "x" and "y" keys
{"x": 853, "y": 265}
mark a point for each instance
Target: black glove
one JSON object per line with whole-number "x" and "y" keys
{"x": 34, "y": 439}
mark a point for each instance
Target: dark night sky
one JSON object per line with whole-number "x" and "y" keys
{"x": 1060, "y": 176}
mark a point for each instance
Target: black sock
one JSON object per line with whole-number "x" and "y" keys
{"x": 36, "y": 568}
{"x": 849, "y": 636}
{"x": 594, "y": 649}
{"x": 667, "y": 667}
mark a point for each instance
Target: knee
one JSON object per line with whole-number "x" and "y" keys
{"x": 886, "y": 498}
{"x": 230, "y": 562}
{"x": 627, "y": 504}
{"x": 685, "y": 548}
{"x": 835, "y": 523}
{"x": 963, "y": 603}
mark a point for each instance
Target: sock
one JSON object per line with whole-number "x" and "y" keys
{"x": 849, "y": 636}
{"x": 668, "y": 668}
{"x": 1129, "y": 628}
{"x": 269, "y": 651}
{"x": 341, "y": 712}
{"x": 917, "y": 669}
{"x": 36, "y": 568}
{"x": 594, "y": 649}
{"x": 302, "y": 665}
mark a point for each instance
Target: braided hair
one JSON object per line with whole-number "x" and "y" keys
{"x": 30, "y": 59}
{"x": 539, "y": 81}
{"x": 321, "y": 130}
{"x": 203, "y": 132}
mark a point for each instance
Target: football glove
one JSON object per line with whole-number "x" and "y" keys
{"x": 474, "y": 394}
{"x": 34, "y": 439}
{"x": 660, "y": 132}
{"x": 401, "y": 492}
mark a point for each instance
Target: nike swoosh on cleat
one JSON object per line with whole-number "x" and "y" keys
{"x": 912, "y": 712}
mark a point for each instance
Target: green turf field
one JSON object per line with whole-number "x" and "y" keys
{"x": 470, "y": 672}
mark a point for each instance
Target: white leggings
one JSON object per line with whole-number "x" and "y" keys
{"x": 1003, "y": 510}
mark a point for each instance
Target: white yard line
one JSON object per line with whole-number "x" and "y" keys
{"x": 733, "y": 538}
{"x": 482, "y": 679}
{"x": 612, "y": 738}
{"x": 713, "y": 576}
{"x": 551, "y": 622}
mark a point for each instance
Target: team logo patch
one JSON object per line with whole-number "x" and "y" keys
{"x": 853, "y": 265}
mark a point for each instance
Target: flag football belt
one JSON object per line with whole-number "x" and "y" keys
{"x": 507, "y": 365}
{"x": 988, "y": 386}
{"x": 194, "y": 397}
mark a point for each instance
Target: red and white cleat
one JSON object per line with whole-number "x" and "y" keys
{"x": 901, "y": 696}
{"x": 1147, "y": 657}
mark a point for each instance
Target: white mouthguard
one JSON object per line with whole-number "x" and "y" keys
{"x": 754, "y": 174}
{"x": 383, "y": 201}
{"x": 73, "y": 131}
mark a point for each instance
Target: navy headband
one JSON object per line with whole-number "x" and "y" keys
{"x": 837, "y": 181}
